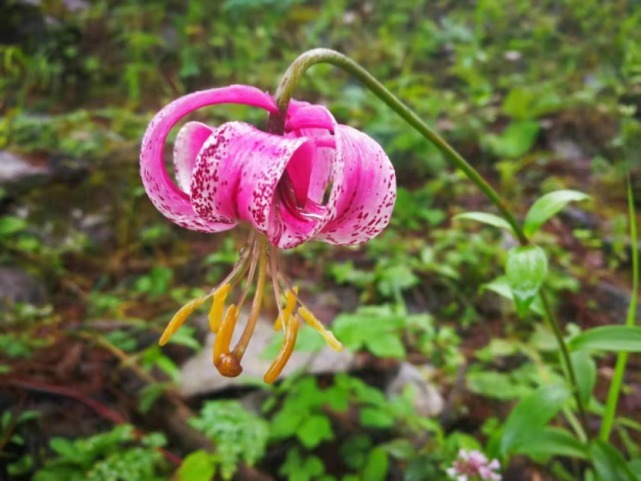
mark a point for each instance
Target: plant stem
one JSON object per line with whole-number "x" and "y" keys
{"x": 622, "y": 358}
{"x": 276, "y": 125}
{"x": 566, "y": 363}
{"x": 320, "y": 55}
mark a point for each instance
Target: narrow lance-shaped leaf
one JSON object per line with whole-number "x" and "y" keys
{"x": 552, "y": 442}
{"x": 608, "y": 338}
{"x": 548, "y": 206}
{"x": 485, "y": 218}
{"x": 526, "y": 270}
{"x": 585, "y": 369}
{"x": 531, "y": 415}
{"x": 609, "y": 463}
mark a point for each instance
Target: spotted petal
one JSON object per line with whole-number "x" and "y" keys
{"x": 244, "y": 174}
{"x": 367, "y": 190}
{"x": 172, "y": 201}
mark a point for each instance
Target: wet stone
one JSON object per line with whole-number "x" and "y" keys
{"x": 427, "y": 399}
{"x": 17, "y": 285}
{"x": 18, "y": 176}
{"x": 199, "y": 376}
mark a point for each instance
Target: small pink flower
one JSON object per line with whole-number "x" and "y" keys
{"x": 474, "y": 465}
{"x": 320, "y": 180}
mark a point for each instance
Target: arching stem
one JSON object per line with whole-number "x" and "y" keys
{"x": 295, "y": 71}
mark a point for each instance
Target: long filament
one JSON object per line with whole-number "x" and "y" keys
{"x": 239, "y": 350}
{"x": 291, "y": 332}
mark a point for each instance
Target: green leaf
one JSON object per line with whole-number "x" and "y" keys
{"x": 376, "y": 466}
{"x": 11, "y": 225}
{"x": 386, "y": 346}
{"x": 531, "y": 415}
{"x": 376, "y": 418}
{"x": 550, "y": 442}
{"x": 67, "y": 449}
{"x": 609, "y": 463}
{"x": 501, "y": 286}
{"x": 635, "y": 466}
{"x": 198, "y": 466}
{"x": 516, "y": 140}
{"x": 585, "y": 370}
{"x": 314, "y": 431}
{"x": 608, "y": 338}
{"x": 485, "y": 218}
{"x": 547, "y": 206}
{"x": 526, "y": 270}
{"x": 149, "y": 395}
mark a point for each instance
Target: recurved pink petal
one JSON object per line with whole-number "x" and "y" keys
{"x": 302, "y": 115}
{"x": 367, "y": 190}
{"x": 245, "y": 174}
{"x": 189, "y": 141}
{"x": 170, "y": 200}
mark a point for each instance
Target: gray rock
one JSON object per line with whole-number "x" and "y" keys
{"x": 427, "y": 400}
{"x": 199, "y": 376}
{"x": 17, "y": 175}
{"x": 16, "y": 285}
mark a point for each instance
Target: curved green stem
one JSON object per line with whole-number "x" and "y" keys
{"x": 276, "y": 125}
{"x": 622, "y": 359}
{"x": 566, "y": 362}
{"x": 313, "y": 57}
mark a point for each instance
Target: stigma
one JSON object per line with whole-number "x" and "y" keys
{"x": 258, "y": 260}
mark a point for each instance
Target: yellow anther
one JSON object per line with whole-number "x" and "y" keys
{"x": 223, "y": 338}
{"x": 217, "y": 307}
{"x": 290, "y": 304}
{"x": 179, "y": 319}
{"x": 291, "y": 332}
{"x": 317, "y": 325}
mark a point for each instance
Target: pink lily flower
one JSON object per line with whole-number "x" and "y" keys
{"x": 320, "y": 180}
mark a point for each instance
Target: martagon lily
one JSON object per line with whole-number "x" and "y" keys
{"x": 320, "y": 180}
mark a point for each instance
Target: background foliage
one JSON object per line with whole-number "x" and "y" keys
{"x": 539, "y": 96}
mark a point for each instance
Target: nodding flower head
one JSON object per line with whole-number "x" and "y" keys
{"x": 320, "y": 180}
{"x": 473, "y": 466}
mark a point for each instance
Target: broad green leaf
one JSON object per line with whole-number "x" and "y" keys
{"x": 585, "y": 370}
{"x": 376, "y": 418}
{"x": 635, "y": 466}
{"x": 550, "y": 442}
{"x": 376, "y": 465}
{"x": 516, "y": 140}
{"x": 609, "y": 463}
{"x": 531, "y": 415}
{"x": 485, "y": 218}
{"x": 608, "y": 338}
{"x": 386, "y": 346}
{"x": 11, "y": 225}
{"x": 314, "y": 431}
{"x": 526, "y": 270}
{"x": 548, "y": 206}
{"x": 198, "y": 466}
{"x": 501, "y": 286}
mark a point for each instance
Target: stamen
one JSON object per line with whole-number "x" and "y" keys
{"x": 225, "y": 333}
{"x": 239, "y": 350}
{"x": 317, "y": 325}
{"x": 240, "y": 267}
{"x": 217, "y": 307}
{"x": 290, "y": 304}
{"x": 250, "y": 276}
{"x": 179, "y": 319}
{"x": 274, "y": 270}
{"x": 291, "y": 332}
